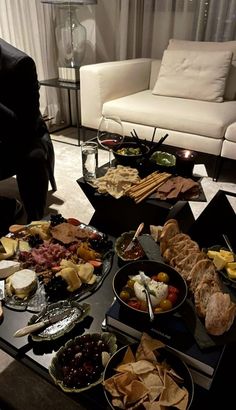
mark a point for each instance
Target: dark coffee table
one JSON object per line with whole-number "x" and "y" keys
{"x": 115, "y": 216}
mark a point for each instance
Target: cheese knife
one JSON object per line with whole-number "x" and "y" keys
{"x": 2, "y": 296}
{"x": 132, "y": 242}
{"x": 43, "y": 323}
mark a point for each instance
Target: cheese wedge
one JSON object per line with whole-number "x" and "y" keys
{"x": 23, "y": 283}
{"x": 227, "y": 255}
{"x": 9, "y": 245}
{"x": 219, "y": 261}
{"x": 212, "y": 254}
{"x": 7, "y": 268}
{"x": 231, "y": 265}
{"x": 231, "y": 273}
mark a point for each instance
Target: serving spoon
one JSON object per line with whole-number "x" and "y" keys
{"x": 147, "y": 292}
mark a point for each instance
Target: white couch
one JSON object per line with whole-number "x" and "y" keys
{"x": 125, "y": 89}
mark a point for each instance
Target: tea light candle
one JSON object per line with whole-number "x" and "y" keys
{"x": 185, "y": 162}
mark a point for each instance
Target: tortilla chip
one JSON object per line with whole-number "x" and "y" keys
{"x": 182, "y": 404}
{"x": 147, "y": 346}
{"x": 129, "y": 356}
{"x": 154, "y": 384}
{"x": 172, "y": 393}
{"x": 110, "y": 386}
{"x": 122, "y": 381}
{"x": 118, "y": 403}
{"x": 139, "y": 367}
{"x": 153, "y": 406}
{"x": 135, "y": 391}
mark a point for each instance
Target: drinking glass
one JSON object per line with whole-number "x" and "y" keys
{"x": 110, "y": 134}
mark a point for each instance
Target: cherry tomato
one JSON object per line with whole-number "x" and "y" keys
{"x": 154, "y": 277}
{"x": 172, "y": 297}
{"x": 143, "y": 306}
{"x": 124, "y": 295}
{"x": 131, "y": 283}
{"x": 173, "y": 289}
{"x": 165, "y": 304}
{"x": 158, "y": 309}
{"x": 134, "y": 304}
{"x": 163, "y": 277}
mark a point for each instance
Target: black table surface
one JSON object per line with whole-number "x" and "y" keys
{"x": 38, "y": 356}
{"x": 55, "y": 82}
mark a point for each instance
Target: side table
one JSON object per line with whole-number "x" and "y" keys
{"x": 54, "y": 82}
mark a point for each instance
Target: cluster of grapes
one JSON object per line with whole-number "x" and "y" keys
{"x": 81, "y": 363}
{"x": 100, "y": 243}
{"x": 34, "y": 240}
{"x": 56, "y": 289}
{"x": 56, "y": 219}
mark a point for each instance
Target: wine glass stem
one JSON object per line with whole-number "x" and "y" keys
{"x": 110, "y": 160}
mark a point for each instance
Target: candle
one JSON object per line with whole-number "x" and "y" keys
{"x": 185, "y": 162}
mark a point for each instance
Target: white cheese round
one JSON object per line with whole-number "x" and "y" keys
{"x": 159, "y": 289}
{"x": 23, "y": 282}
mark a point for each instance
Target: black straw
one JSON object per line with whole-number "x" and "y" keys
{"x": 153, "y": 135}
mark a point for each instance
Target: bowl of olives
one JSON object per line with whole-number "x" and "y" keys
{"x": 80, "y": 363}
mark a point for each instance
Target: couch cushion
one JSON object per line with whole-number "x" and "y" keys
{"x": 192, "y": 116}
{"x": 230, "y": 90}
{"x": 230, "y": 134}
{"x": 193, "y": 74}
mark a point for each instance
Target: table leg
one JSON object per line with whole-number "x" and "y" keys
{"x": 77, "y": 116}
{"x": 69, "y": 106}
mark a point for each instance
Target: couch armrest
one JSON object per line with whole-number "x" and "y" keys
{"x": 106, "y": 81}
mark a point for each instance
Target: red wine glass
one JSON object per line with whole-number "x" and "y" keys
{"x": 110, "y": 134}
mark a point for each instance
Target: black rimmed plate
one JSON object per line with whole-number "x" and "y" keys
{"x": 176, "y": 363}
{"x": 77, "y": 313}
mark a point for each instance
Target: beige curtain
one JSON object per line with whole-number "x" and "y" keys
{"x": 28, "y": 26}
{"x": 144, "y": 27}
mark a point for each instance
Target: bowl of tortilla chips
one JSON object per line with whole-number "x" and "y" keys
{"x": 145, "y": 375}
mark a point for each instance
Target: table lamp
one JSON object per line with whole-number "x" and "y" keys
{"x": 70, "y": 37}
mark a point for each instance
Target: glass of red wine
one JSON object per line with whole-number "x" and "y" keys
{"x": 110, "y": 134}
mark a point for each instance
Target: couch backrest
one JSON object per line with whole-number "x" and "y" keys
{"x": 230, "y": 89}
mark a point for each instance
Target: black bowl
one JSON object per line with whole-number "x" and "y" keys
{"x": 129, "y": 160}
{"x": 176, "y": 363}
{"x": 150, "y": 268}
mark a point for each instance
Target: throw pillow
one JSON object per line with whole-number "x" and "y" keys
{"x": 193, "y": 74}
{"x": 230, "y": 89}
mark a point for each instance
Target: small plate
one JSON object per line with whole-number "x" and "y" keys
{"x": 58, "y": 329}
{"x": 84, "y": 355}
{"x": 227, "y": 280}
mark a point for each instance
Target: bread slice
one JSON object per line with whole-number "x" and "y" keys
{"x": 169, "y": 230}
{"x": 203, "y": 268}
{"x": 220, "y": 314}
{"x": 204, "y": 291}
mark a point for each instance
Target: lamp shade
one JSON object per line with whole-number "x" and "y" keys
{"x": 68, "y": 2}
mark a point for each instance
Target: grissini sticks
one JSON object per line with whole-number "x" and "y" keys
{"x": 147, "y": 186}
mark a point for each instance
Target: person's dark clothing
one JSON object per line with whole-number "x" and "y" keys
{"x": 24, "y": 138}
